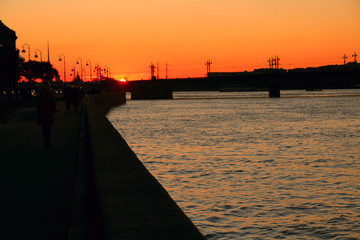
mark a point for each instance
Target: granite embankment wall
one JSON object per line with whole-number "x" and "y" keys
{"x": 120, "y": 198}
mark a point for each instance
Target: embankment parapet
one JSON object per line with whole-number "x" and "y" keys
{"x": 133, "y": 203}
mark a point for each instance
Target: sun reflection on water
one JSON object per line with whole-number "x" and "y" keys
{"x": 256, "y": 167}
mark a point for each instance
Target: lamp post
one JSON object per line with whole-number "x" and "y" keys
{"x": 36, "y": 56}
{"x": 61, "y": 59}
{"x": 106, "y": 70}
{"x": 89, "y": 64}
{"x": 84, "y": 74}
{"x": 98, "y": 72}
{"x": 23, "y": 51}
{"x": 109, "y": 72}
{"x": 73, "y": 70}
{"x": 77, "y": 62}
{"x": 95, "y": 70}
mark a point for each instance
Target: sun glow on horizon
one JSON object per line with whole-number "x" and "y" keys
{"x": 235, "y": 35}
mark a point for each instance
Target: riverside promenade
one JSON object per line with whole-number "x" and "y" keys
{"x": 88, "y": 185}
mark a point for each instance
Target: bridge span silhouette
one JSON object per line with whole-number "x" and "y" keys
{"x": 266, "y": 80}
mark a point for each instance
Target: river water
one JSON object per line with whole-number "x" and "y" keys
{"x": 245, "y": 166}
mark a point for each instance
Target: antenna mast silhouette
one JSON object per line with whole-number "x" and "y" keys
{"x": 274, "y": 62}
{"x": 344, "y": 57}
{"x": 48, "y": 48}
{"x": 271, "y": 62}
{"x": 152, "y": 70}
{"x": 354, "y": 56}
{"x": 166, "y": 70}
{"x": 158, "y": 69}
{"x": 208, "y": 63}
{"x": 277, "y": 59}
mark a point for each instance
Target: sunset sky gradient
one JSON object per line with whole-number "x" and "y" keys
{"x": 236, "y": 35}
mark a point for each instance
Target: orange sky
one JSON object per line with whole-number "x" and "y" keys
{"x": 237, "y": 35}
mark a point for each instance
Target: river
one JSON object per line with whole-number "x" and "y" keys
{"x": 245, "y": 166}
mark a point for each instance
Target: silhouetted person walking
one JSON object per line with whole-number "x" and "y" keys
{"x": 46, "y": 106}
{"x": 76, "y": 95}
{"x": 67, "y": 97}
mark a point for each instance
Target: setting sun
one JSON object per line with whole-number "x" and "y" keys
{"x": 245, "y": 116}
{"x": 180, "y": 36}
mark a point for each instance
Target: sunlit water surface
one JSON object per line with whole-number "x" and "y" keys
{"x": 244, "y": 166}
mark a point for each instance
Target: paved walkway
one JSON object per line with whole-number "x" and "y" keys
{"x": 88, "y": 185}
{"x": 36, "y": 184}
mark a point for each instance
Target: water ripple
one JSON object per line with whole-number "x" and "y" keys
{"x": 254, "y": 168}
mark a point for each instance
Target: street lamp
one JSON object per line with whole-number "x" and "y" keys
{"x": 107, "y": 70}
{"x": 98, "y": 72}
{"x": 23, "y": 51}
{"x": 87, "y": 64}
{"x": 60, "y": 59}
{"x": 73, "y": 70}
{"x": 77, "y": 62}
{"x": 36, "y": 56}
{"x": 84, "y": 74}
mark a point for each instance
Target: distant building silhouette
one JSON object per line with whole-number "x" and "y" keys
{"x": 9, "y": 60}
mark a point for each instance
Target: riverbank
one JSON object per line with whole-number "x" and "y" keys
{"x": 249, "y": 167}
{"x": 132, "y": 203}
{"x": 88, "y": 185}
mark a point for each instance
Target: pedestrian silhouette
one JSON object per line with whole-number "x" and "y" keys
{"x": 76, "y": 96}
{"x": 46, "y": 106}
{"x": 72, "y": 97}
{"x": 67, "y": 97}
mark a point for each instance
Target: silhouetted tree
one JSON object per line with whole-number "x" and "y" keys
{"x": 32, "y": 70}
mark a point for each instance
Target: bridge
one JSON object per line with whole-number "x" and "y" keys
{"x": 265, "y": 80}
